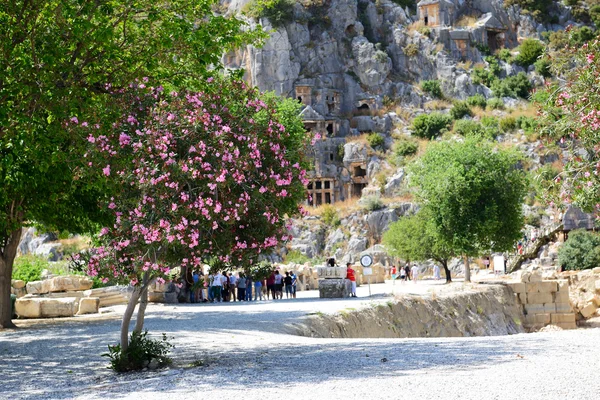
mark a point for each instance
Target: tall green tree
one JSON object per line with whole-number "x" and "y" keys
{"x": 414, "y": 238}
{"x": 60, "y": 62}
{"x": 472, "y": 192}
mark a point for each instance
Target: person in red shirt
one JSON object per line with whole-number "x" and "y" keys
{"x": 352, "y": 278}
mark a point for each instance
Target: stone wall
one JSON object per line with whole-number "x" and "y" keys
{"x": 483, "y": 310}
{"x": 584, "y": 292}
{"x": 544, "y": 302}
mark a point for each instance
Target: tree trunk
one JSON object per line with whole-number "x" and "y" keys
{"x": 127, "y": 318}
{"x": 7, "y": 258}
{"x": 139, "y": 322}
{"x": 467, "y": 270}
{"x": 447, "y": 271}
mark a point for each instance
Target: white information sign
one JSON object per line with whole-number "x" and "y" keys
{"x": 367, "y": 271}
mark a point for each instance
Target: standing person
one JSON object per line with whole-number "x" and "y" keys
{"x": 249, "y": 288}
{"x": 288, "y": 285}
{"x": 407, "y": 271}
{"x": 278, "y": 285}
{"x": 258, "y": 286}
{"x": 217, "y": 287}
{"x": 402, "y": 274}
{"x": 436, "y": 272}
{"x": 414, "y": 272}
{"x": 271, "y": 286}
{"x": 208, "y": 284}
{"x": 232, "y": 286}
{"x": 351, "y": 276}
{"x": 197, "y": 286}
{"x": 225, "y": 283}
{"x": 241, "y": 287}
{"x": 294, "y": 283}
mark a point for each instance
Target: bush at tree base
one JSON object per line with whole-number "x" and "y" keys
{"x": 142, "y": 351}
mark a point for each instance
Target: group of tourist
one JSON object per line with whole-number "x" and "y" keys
{"x": 225, "y": 287}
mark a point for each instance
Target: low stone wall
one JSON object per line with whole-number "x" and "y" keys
{"x": 584, "y": 292}
{"x": 483, "y": 310}
{"x": 544, "y": 302}
{"x": 32, "y": 306}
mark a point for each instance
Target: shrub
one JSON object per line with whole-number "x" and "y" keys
{"x": 375, "y": 140}
{"x": 580, "y": 251}
{"x": 381, "y": 56}
{"x": 528, "y": 124}
{"x": 429, "y": 126}
{"x": 29, "y": 268}
{"x": 141, "y": 352}
{"x": 513, "y": 86}
{"x": 467, "y": 127}
{"x": 529, "y": 51}
{"x": 424, "y": 30}
{"x": 372, "y": 203}
{"x": 460, "y": 109}
{"x": 493, "y": 65}
{"x": 295, "y": 256}
{"x": 540, "y": 96}
{"x": 405, "y": 147}
{"x": 495, "y": 103}
{"x": 278, "y": 12}
{"x": 491, "y": 127}
{"x": 433, "y": 88}
{"x": 411, "y": 50}
{"x": 505, "y": 55}
{"x": 580, "y": 36}
{"x": 542, "y": 67}
{"x": 482, "y": 76}
{"x": 329, "y": 216}
{"x": 508, "y": 124}
{"x": 477, "y": 101}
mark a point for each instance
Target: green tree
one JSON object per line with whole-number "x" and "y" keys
{"x": 414, "y": 239}
{"x": 580, "y": 251}
{"x": 473, "y": 192}
{"x": 60, "y": 62}
{"x": 430, "y": 126}
{"x": 529, "y": 52}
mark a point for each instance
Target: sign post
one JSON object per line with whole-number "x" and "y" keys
{"x": 366, "y": 261}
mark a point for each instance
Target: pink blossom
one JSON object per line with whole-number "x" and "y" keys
{"x": 106, "y": 170}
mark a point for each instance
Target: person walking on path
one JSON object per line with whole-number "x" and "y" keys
{"x": 217, "y": 287}
{"x": 249, "y": 288}
{"x": 436, "y": 272}
{"x": 278, "y": 285}
{"x": 258, "y": 293}
{"x": 288, "y": 285}
{"x": 407, "y": 271}
{"x": 415, "y": 273}
{"x": 241, "y": 288}
{"x": 232, "y": 286}
{"x": 350, "y": 275}
{"x": 402, "y": 274}
{"x": 271, "y": 286}
{"x": 294, "y": 283}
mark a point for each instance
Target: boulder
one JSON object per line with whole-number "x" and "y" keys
{"x": 334, "y": 288}
{"x": 66, "y": 283}
{"x": 163, "y": 297}
{"x": 28, "y": 308}
{"x": 394, "y": 183}
{"x": 38, "y": 287}
{"x": 62, "y": 307}
{"x": 18, "y": 284}
{"x": 88, "y": 305}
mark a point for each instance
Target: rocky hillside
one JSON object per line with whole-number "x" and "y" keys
{"x": 364, "y": 70}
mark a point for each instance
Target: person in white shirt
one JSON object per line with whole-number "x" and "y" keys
{"x": 436, "y": 272}
{"x": 414, "y": 271}
{"x": 232, "y": 285}
{"x": 217, "y": 287}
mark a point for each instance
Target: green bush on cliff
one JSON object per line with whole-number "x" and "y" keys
{"x": 278, "y": 12}
{"x": 580, "y": 251}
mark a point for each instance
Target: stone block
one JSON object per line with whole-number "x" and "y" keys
{"x": 522, "y": 298}
{"x": 563, "y": 307}
{"x": 596, "y": 270}
{"x": 536, "y": 276}
{"x": 562, "y": 318}
{"x": 67, "y": 283}
{"x": 62, "y": 307}
{"x": 547, "y": 287}
{"x": 541, "y": 318}
{"x": 561, "y": 297}
{"x": 534, "y": 309}
{"x": 550, "y": 307}
{"x": 166, "y": 287}
{"x": 563, "y": 285}
{"x": 525, "y": 277}
{"x": 334, "y": 288}
{"x": 162, "y": 297}
{"x": 539, "y": 298}
{"x": 597, "y": 286}
{"x": 518, "y": 287}
{"x": 37, "y": 287}
{"x": 28, "y": 308}
{"x": 567, "y": 325}
{"x": 18, "y": 284}
{"x": 588, "y": 310}
{"x": 88, "y": 305}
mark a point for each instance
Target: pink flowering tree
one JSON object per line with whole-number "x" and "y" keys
{"x": 203, "y": 174}
{"x": 573, "y": 122}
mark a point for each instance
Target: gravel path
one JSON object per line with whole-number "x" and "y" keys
{"x": 246, "y": 353}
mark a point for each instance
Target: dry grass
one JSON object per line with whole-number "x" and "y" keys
{"x": 437, "y": 105}
{"x": 465, "y": 65}
{"x": 415, "y": 26}
{"x": 344, "y": 208}
{"x": 358, "y": 139}
{"x": 466, "y": 21}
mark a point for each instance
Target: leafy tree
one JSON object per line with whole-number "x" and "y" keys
{"x": 529, "y": 52}
{"x": 430, "y": 126}
{"x": 473, "y": 192}
{"x": 413, "y": 239}
{"x": 201, "y": 174}
{"x": 60, "y": 59}
{"x": 580, "y": 251}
